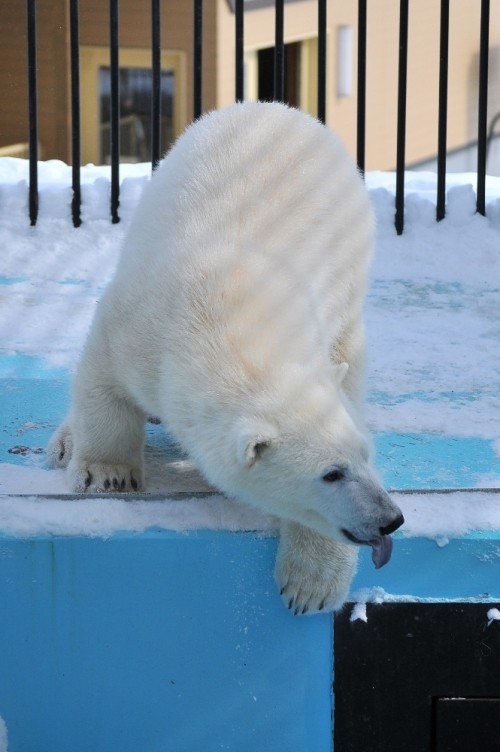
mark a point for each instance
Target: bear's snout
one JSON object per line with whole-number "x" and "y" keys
{"x": 393, "y": 526}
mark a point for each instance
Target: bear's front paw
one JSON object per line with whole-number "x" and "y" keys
{"x": 313, "y": 573}
{"x": 95, "y": 477}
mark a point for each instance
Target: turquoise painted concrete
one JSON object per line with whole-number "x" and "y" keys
{"x": 460, "y": 569}
{"x": 34, "y": 399}
{"x": 157, "y": 643}
{"x": 178, "y": 642}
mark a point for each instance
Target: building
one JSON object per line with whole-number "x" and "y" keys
{"x": 218, "y": 72}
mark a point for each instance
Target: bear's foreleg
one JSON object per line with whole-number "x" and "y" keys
{"x": 313, "y": 573}
{"x": 101, "y": 443}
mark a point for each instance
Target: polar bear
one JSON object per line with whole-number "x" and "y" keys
{"x": 235, "y": 316}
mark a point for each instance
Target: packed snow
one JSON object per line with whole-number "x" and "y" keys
{"x": 493, "y": 615}
{"x": 378, "y": 595}
{"x": 439, "y": 516}
{"x": 3, "y": 736}
{"x": 433, "y": 325}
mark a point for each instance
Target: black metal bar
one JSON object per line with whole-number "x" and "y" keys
{"x": 482, "y": 118}
{"x": 32, "y": 113}
{"x": 239, "y": 30}
{"x": 156, "y": 90}
{"x": 361, "y": 93}
{"x": 401, "y": 124}
{"x": 115, "y": 110}
{"x": 443, "y": 109}
{"x": 198, "y": 58}
{"x": 279, "y": 51}
{"x": 74, "y": 35}
{"x": 322, "y": 20}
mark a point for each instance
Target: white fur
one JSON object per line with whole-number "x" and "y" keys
{"x": 236, "y": 304}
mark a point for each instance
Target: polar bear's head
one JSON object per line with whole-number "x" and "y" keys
{"x": 307, "y": 460}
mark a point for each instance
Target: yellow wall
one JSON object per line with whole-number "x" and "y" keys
{"x": 218, "y": 66}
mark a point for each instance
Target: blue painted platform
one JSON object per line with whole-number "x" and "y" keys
{"x": 163, "y": 641}
{"x": 34, "y": 399}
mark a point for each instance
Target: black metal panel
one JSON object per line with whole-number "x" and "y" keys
{"x": 390, "y": 671}
{"x": 464, "y": 724}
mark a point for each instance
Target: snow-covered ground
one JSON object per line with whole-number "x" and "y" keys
{"x": 433, "y": 314}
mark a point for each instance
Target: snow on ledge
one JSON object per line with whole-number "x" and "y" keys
{"x": 30, "y": 516}
{"x": 435, "y": 515}
{"x": 377, "y": 595}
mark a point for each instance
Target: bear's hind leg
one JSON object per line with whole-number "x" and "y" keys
{"x": 108, "y": 440}
{"x": 313, "y": 573}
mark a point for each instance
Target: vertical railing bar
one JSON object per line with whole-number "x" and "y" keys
{"x": 115, "y": 110}
{"x": 443, "y": 109}
{"x": 401, "y": 122}
{"x": 32, "y": 113}
{"x": 76, "y": 201}
{"x": 361, "y": 85}
{"x": 239, "y": 30}
{"x": 279, "y": 51}
{"x": 156, "y": 84}
{"x": 482, "y": 119}
{"x": 198, "y": 59}
{"x": 322, "y": 21}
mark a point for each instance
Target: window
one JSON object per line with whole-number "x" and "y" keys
{"x": 135, "y": 113}
{"x": 292, "y": 74}
{"x": 300, "y": 66}
{"x": 135, "y": 78}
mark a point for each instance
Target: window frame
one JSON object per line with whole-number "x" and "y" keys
{"x": 92, "y": 59}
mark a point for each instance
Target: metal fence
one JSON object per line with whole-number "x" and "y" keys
{"x": 279, "y": 57}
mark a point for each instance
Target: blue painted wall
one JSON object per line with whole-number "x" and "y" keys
{"x": 158, "y": 642}
{"x": 179, "y": 642}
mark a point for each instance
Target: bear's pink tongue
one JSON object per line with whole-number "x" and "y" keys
{"x": 381, "y": 550}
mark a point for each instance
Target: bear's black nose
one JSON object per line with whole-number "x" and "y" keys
{"x": 388, "y": 529}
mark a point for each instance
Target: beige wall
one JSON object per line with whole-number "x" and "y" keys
{"x": 52, "y": 81}
{"x": 423, "y": 67}
{"x": 382, "y": 68}
{"x": 218, "y": 66}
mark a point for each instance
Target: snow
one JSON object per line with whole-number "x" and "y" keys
{"x": 102, "y": 517}
{"x": 3, "y": 736}
{"x": 359, "y": 612}
{"x": 378, "y": 595}
{"x": 433, "y": 324}
{"x": 493, "y": 615}
{"x": 448, "y": 515}
{"x": 438, "y": 516}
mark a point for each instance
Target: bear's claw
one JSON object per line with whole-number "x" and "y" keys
{"x": 313, "y": 573}
{"x": 98, "y": 477}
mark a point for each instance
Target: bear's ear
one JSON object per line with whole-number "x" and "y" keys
{"x": 340, "y": 372}
{"x": 253, "y": 441}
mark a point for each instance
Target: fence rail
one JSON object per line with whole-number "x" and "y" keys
{"x": 364, "y": 9}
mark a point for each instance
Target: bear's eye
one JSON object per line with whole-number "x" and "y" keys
{"x": 333, "y": 476}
